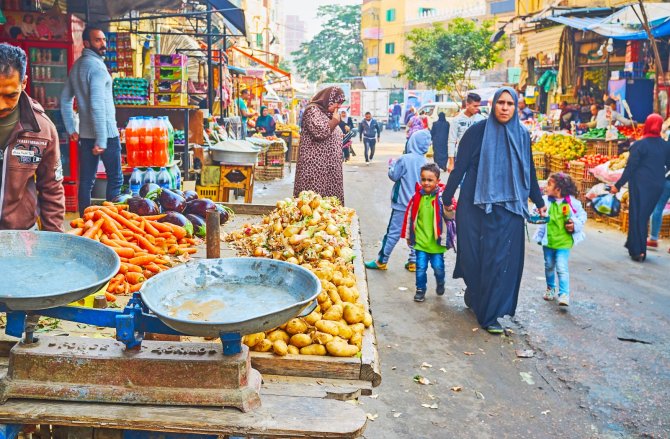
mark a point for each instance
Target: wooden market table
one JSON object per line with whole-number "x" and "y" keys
{"x": 301, "y": 396}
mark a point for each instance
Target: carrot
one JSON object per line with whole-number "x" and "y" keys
{"x": 76, "y": 232}
{"x": 112, "y": 285}
{"x": 124, "y": 252}
{"x": 110, "y": 297}
{"x": 191, "y": 241}
{"x": 127, "y": 244}
{"x": 90, "y": 209}
{"x": 128, "y": 215}
{"x": 190, "y": 251}
{"x": 126, "y": 288}
{"x": 162, "y": 261}
{"x": 134, "y": 278}
{"x": 126, "y": 223}
{"x": 154, "y": 217}
{"x": 91, "y": 232}
{"x": 77, "y": 223}
{"x": 142, "y": 260}
{"x": 123, "y": 269}
{"x": 147, "y": 274}
{"x": 120, "y": 288}
{"x": 123, "y": 259}
{"x": 135, "y": 288}
{"x": 132, "y": 268}
{"x": 162, "y": 227}
{"x": 109, "y": 204}
{"x": 153, "y": 268}
{"x": 147, "y": 245}
{"x": 109, "y": 225}
{"x": 127, "y": 233}
{"x": 150, "y": 229}
{"x": 173, "y": 249}
{"x": 178, "y": 232}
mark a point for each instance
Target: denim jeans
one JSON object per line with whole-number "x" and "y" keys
{"x": 556, "y": 262}
{"x": 369, "y": 148}
{"x": 396, "y": 122}
{"x": 88, "y": 168}
{"x": 657, "y": 214}
{"x": 392, "y": 236}
{"x": 436, "y": 261}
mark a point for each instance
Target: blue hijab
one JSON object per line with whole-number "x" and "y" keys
{"x": 503, "y": 176}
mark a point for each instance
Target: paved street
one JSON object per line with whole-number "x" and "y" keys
{"x": 600, "y": 368}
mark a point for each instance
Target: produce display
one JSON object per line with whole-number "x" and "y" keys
{"x": 566, "y": 147}
{"x": 598, "y": 134}
{"x": 619, "y": 162}
{"x": 295, "y": 129}
{"x": 631, "y": 132}
{"x": 314, "y": 232}
{"x": 593, "y": 160}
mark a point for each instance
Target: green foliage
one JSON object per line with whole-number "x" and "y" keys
{"x": 337, "y": 51}
{"x": 445, "y": 59}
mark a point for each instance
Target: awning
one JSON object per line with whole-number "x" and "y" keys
{"x": 262, "y": 63}
{"x": 544, "y": 42}
{"x": 236, "y": 70}
{"x": 576, "y": 22}
{"x": 231, "y": 13}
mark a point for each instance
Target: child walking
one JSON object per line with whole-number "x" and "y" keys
{"x": 405, "y": 172}
{"x": 426, "y": 230}
{"x": 564, "y": 229}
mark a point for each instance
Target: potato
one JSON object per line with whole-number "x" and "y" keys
{"x": 300, "y": 340}
{"x": 313, "y": 349}
{"x": 358, "y": 327}
{"x": 334, "y": 297}
{"x": 333, "y": 313}
{"x": 357, "y": 340}
{"x": 349, "y": 282}
{"x": 337, "y": 279}
{"x": 296, "y": 326}
{"x": 280, "y": 348}
{"x": 313, "y": 317}
{"x": 293, "y": 350}
{"x": 252, "y": 340}
{"x": 345, "y": 331}
{"x": 323, "y": 296}
{"x": 353, "y": 314}
{"x": 319, "y": 337}
{"x": 367, "y": 320}
{"x": 263, "y": 346}
{"x": 328, "y": 326}
{"x": 278, "y": 334}
{"x": 325, "y": 305}
{"x": 346, "y": 294}
{"x": 341, "y": 349}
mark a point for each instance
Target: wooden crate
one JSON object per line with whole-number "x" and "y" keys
{"x": 266, "y": 173}
{"x": 580, "y": 173}
{"x": 608, "y": 148}
{"x": 557, "y": 164}
{"x": 539, "y": 159}
{"x": 295, "y": 149}
{"x": 624, "y": 221}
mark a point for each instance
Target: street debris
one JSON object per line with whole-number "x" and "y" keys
{"x": 397, "y": 415}
{"x": 430, "y": 406}
{"x": 425, "y": 365}
{"x": 457, "y": 388}
{"x": 375, "y": 396}
{"x": 479, "y": 395}
{"x": 421, "y": 380}
{"x": 546, "y": 412}
{"x": 371, "y": 417}
{"x": 402, "y": 288}
{"x": 527, "y": 378}
{"x": 525, "y": 353}
{"x": 469, "y": 353}
{"x": 442, "y": 369}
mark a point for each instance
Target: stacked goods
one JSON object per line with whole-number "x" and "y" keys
{"x": 540, "y": 162}
{"x": 119, "y": 55}
{"x": 598, "y": 134}
{"x": 130, "y": 91}
{"x": 580, "y": 171}
{"x": 169, "y": 80}
{"x": 314, "y": 232}
{"x": 634, "y": 132}
{"x": 618, "y": 163}
{"x": 560, "y": 149}
{"x": 295, "y": 129}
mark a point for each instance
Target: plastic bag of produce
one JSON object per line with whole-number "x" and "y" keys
{"x": 596, "y": 191}
{"x": 607, "y": 205}
{"x": 605, "y": 174}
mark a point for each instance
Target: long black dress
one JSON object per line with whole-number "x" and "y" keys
{"x": 440, "y": 136}
{"x": 645, "y": 175}
{"x": 491, "y": 247}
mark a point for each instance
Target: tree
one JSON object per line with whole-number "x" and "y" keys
{"x": 445, "y": 59}
{"x": 337, "y": 51}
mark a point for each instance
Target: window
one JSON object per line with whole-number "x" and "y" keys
{"x": 427, "y": 11}
{"x": 389, "y": 49}
{"x": 390, "y": 14}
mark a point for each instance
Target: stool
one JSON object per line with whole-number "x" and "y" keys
{"x": 236, "y": 176}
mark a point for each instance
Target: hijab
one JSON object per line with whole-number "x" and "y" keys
{"x": 652, "y": 126}
{"x": 323, "y": 99}
{"x": 264, "y": 121}
{"x": 441, "y": 116}
{"x": 503, "y": 176}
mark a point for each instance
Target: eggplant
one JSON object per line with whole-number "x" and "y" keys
{"x": 224, "y": 214}
{"x": 178, "y": 192}
{"x": 178, "y": 219}
{"x": 143, "y": 206}
{"x": 190, "y": 195}
{"x": 148, "y": 188}
{"x": 170, "y": 201}
{"x": 199, "y": 207}
{"x": 199, "y": 225}
{"x": 122, "y": 198}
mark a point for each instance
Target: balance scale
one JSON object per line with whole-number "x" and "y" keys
{"x": 225, "y": 298}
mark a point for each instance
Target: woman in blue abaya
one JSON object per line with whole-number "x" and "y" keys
{"x": 494, "y": 156}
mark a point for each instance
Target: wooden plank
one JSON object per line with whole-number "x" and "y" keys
{"x": 342, "y": 390}
{"x": 314, "y": 366}
{"x": 279, "y": 416}
{"x": 250, "y": 209}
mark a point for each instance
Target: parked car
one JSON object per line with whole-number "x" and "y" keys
{"x": 432, "y": 110}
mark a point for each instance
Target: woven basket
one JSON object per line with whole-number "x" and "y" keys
{"x": 539, "y": 159}
{"x": 294, "y": 152}
{"x": 266, "y": 173}
{"x": 608, "y": 148}
{"x": 580, "y": 173}
{"x": 557, "y": 164}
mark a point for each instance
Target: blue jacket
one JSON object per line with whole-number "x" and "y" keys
{"x": 91, "y": 84}
{"x": 369, "y": 130}
{"x": 406, "y": 171}
{"x": 577, "y": 215}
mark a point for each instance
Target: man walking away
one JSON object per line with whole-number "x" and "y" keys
{"x": 97, "y": 134}
{"x": 369, "y": 130}
{"x": 31, "y": 174}
{"x": 461, "y": 123}
{"x": 396, "y": 113}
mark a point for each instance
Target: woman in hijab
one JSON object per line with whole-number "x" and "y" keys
{"x": 645, "y": 174}
{"x": 265, "y": 123}
{"x": 319, "y": 167}
{"x": 494, "y": 156}
{"x": 440, "y": 135}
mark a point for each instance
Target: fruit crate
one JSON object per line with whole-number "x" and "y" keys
{"x": 271, "y": 158}
{"x": 615, "y": 221}
{"x": 582, "y": 188}
{"x": 266, "y": 173}
{"x": 211, "y": 192}
{"x": 539, "y": 159}
{"x": 557, "y": 164}
{"x": 609, "y": 148}
{"x": 295, "y": 149}
{"x": 624, "y": 220}
{"x": 580, "y": 173}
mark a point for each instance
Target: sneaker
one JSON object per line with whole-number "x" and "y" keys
{"x": 440, "y": 290}
{"x": 420, "y": 296}
{"x": 563, "y": 300}
{"x": 495, "y": 329}
{"x": 549, "y": 294}
{"x": 375, "y": 265}
{"x": 652, "y": 243}
{"x": 410, "y": 266}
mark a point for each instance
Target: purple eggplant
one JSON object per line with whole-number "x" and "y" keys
{"x": 143, "y": 206}
{"x": 224, "y": 214}
{"x": 178, "y": 192}
{"x": 199, "y": 207}
{"x": 190, "y": 195}
{"x": 170, "y": 201}
{"x": 199, "y": 225}
{"x": 122, "y": 198}
{"x": 178, "y": 219}
{"x": 148, "y": 188}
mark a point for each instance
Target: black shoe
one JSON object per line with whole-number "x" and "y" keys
{"x": 440, "y": 290}
{"x": 420, "y": 296}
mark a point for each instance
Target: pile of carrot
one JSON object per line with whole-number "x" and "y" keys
{"x": 144, "y": 245}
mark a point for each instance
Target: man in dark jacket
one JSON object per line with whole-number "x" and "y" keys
{"x": 440, "y": 135}
{"x": 368, "y": 130}
{"x": 31, "y": 174}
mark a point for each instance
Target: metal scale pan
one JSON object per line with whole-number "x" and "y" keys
{"x": 40, "y": 270}
{"x": 245, "y": 295}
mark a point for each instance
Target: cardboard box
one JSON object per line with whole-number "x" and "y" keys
{"x": 174, "y": 60}
{"x": 169, "y": 86}
{"x": 171, "y": 99}
{"x": 170, "y": 73}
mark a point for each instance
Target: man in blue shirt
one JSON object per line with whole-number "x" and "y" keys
{"x": 368, "y": 131}
{"x": 397, "y": 112}
{"x": 243, "y": 107}
{"x": 525, "y": 113}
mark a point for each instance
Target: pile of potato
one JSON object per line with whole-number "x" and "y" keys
{"x": 313, "y": 232}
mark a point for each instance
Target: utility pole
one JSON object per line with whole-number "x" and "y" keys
{"x": 645, "y": 23}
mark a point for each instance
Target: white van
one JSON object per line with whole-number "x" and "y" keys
{"x": 432, "y": 110}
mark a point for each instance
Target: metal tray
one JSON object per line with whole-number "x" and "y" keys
{"x": 43, "y": 270}
{"x": 208, "y": 297}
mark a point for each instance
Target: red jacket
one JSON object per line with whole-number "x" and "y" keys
{"x": 32, "y": 173}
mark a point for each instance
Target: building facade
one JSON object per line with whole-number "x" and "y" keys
{"x": 295, "y": 33}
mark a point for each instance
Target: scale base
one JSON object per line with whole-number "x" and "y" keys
{"x": 158, "y": 373}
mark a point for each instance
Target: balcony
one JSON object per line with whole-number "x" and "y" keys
{"x": 372, "y": 33}
{"x": 474, "y": 8}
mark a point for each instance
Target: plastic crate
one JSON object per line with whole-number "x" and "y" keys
{"x": 211, "y": 192}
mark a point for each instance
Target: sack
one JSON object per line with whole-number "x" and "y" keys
{"x": 607, "y": 205}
